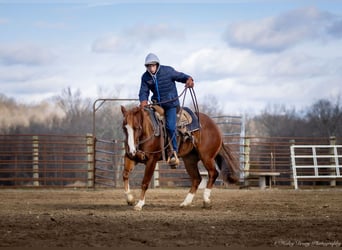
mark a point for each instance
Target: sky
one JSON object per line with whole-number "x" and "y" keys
{"x": 245, "y": 55}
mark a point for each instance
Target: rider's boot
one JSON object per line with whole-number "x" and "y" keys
{"x": 173, "y": 160}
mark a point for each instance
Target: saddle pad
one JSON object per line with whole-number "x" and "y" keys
{"x": 188, "y": 119}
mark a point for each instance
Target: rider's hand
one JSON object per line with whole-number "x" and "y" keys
{"x": 189, "y": 83}
{"x": 143, "y": 104}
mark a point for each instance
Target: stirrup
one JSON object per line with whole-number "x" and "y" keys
{"x": 173, "y": 160}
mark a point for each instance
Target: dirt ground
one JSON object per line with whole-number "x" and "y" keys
{"x": 83, "y": 218}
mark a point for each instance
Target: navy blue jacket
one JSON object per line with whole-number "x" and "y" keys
{"x": 162, "y": 85}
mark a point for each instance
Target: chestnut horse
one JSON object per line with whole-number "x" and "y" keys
{"x": 143, "y": 146}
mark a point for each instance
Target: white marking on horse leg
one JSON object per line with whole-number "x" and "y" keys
{"x": 139, "y": 205}
{"x": 188, "y": 200}
{"x": 130, "y": 140}
{"x": 206, "y": 195}
{"x": 129, "y": 197}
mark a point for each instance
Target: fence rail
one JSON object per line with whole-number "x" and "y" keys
{"x": 45, "y": 160}
{"x": 84, "y": 161}
{"x": 316, "y": 162}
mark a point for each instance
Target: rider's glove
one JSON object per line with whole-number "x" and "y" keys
{"x": 143, "y": 104}
{"x": 189, "y": 83}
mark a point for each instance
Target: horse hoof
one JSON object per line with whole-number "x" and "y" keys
{"x": 207, "y": 205}
{"x": 137, "y": 208}
{"x": 183, "y": 205}
{"x": 130, "y": 203}
{"x": 130, "y": 199}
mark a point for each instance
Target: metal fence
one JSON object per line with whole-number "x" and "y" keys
{"x": 84, "y": 161}
{"x": 46, "y": 161}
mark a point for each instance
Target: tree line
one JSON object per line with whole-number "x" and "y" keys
{"x": 70, "y": 113}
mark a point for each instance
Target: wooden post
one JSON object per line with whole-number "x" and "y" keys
{"x": 293, "y": 183}
{"x": 332, "y": 140}
{"x": 90, "y": 160}
{"x": 118, "y": 162}
{"x": 247, "y": 148}
{"x": 156, "y": 176}
{"x": 35, "y": 160}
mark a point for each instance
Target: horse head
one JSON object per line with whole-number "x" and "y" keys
{"x": 133, "y": 128}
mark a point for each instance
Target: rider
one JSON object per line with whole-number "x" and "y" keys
{"x": 160, "y": 80}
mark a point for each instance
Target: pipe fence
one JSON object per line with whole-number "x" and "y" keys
{"x": 44, "y": 161}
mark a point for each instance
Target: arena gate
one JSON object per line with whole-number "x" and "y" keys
{"x": 316, "y": 162}
{"x": 109, "y": 163}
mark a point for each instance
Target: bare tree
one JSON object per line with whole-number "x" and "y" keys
{"x": 78, "y": 112}
{"x": 209, "y": 105}
{"x": 277, "y": 120}
{"x": 325, "y": 118}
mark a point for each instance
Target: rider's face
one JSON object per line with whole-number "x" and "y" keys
{"x": 152, "y": 68}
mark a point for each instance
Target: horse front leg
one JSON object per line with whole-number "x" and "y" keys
{"x": 128, "y": 167}
{"x": 149, "y": 169}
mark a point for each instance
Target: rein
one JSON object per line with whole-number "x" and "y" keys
{"x": 195, "y": 103}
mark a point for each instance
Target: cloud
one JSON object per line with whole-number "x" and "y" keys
{"x": 217, "y": 63}
{"x": 150, "y": 33}
{"x": 246, "y": 79}
{"x": 284, "y": 31}
{"x": 335, "y": 29}
{"x": 16, "y": 74}
{"x": 24, "y": 54}
{"x": 220, "y": 63}
{"x": 136, "y": 37}
{"x": 110, "y": 44}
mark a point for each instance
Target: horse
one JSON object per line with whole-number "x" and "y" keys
{"x": 143, "y": 146}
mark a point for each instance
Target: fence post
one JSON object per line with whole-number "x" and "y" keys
{"x": 156, "y": 176}
{"x": 118, "y": 162}
{"x": 247, "y": 148}
{"x": 35, "y": 158}
{"x": 294, "y": 181}
{"x": 332, "y": 141}
{"x": 90, "y": 160}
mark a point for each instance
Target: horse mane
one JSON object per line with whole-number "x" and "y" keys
{"x": 143, "y": 119}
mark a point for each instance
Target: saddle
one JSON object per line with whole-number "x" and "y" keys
{"x": 187, "y": 123}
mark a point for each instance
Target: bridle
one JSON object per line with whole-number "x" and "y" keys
{"x": 139, "y": 141}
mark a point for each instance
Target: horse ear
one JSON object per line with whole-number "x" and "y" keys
{"x": 123, "y": 110}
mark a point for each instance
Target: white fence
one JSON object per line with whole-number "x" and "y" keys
{"x": 316, "y": 162}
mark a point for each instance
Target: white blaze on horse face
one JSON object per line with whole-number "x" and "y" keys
{"x": 130, "y": 140}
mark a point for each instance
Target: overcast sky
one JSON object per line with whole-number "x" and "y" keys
{"x": 245, "y": 54}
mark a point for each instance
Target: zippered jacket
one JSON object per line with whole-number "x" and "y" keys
{"x": 163, "y": 86}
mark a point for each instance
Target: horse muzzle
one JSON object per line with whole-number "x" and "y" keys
{"x": 137, "y": 156}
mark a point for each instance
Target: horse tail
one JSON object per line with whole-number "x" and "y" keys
{"x": 228, "y": 164}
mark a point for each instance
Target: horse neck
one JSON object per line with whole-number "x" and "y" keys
{"x": 146, "y": 124}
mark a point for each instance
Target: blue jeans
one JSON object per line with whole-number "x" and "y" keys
{"x": 171, "y": 120}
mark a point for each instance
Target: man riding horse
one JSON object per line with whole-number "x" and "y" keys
{"x": 160, "y": 80}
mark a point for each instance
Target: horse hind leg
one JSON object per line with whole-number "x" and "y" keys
{"x": 212, "y": 176}
{"x": 190, "y": 162}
